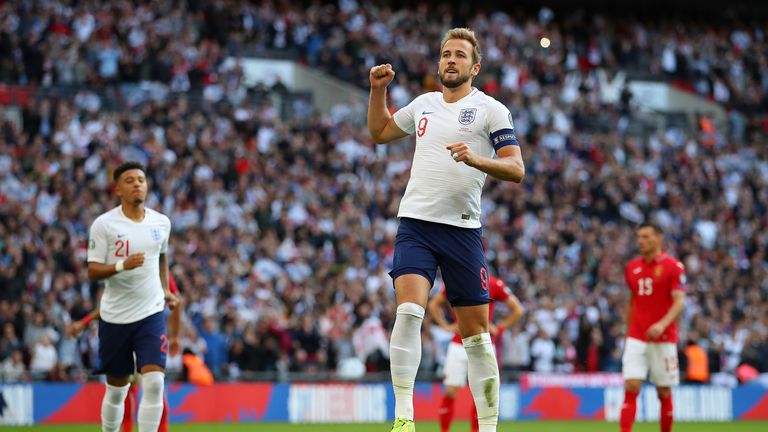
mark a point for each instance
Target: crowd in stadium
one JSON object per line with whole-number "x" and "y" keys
{"x": 283, "y": 229}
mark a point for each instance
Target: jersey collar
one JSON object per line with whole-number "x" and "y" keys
{"x": 659, "y": 258}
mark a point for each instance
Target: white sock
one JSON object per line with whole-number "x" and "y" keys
{"x": 405, "y": 356}
{"x": 113, "y": 407}
{"x": 151, "y": 405}
{"x": 483, "y": 372}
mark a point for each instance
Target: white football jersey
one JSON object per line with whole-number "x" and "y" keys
{"x": 440, "y": 189}
{"x": 137, "y": 293}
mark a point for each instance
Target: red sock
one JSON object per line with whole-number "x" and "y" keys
{"x": 667, "y": 413}
{"x": 130, "y": 408}
{"x": 473, "y": 425}
{"x": 628, "y": 410}
{"x": 446, "y": 413}
{"x": 164, "y": 419}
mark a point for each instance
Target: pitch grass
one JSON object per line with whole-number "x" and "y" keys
{"x": 526, "y": 426}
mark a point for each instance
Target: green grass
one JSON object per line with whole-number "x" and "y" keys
{"x": 570, "y": 426}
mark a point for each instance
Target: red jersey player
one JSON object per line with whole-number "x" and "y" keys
{"x": 656, "y": 284}
{"x": 456, "y": 357}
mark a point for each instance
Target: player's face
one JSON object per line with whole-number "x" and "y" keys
{"x": 648, "y": 240}
{"x": 132, "y": 186}
{"x": 456, "y": 66}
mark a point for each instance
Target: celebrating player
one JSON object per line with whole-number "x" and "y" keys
{"x": 458, "y": 132}
{"x": 127, "y": 247}
{"x": 656, "y": 284}
{"x": 456, "y": 358}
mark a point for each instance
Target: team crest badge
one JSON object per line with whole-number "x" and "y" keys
{"x": 467, "y": 115}
{"x": 657, "y": 271}
{"x": 157, "y": 235}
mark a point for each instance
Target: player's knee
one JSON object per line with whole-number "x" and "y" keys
{"x": 450, "y": 391}
{"x": 411, "y": 309}
{"x": 115, "y": 395}
{"x": 632, "y": 386}
{"x": 663, "y": 392}
{"x": 152, "y": 384}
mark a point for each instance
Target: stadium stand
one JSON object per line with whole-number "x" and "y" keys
{"x": 284, "y": 220}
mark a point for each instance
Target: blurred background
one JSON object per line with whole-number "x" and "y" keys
{"x": 251, "y": 119}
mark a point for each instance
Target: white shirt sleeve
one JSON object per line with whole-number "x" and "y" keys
{"x": 97, "y": 243}
{"x": 499, "y": 118}
{"x": 404, "y": 118}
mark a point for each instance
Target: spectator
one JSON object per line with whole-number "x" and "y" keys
{"x": 543, "y": 352}
{"x": 370, "y": 339}
{"x": 697, "y": 369}
{"x": 9, "y": 342}
{"x": 565, "y": 354}
{"x": 216, "y": 345}
{"x": 516, "y": 349}
{"x": 195, "y": 371}
{"x": 44, "y": 357}
{"x": 12, "y": 369}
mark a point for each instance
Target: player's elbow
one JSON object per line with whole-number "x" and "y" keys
{"x": 375, "y": 135}
{"x": 519, "y": 174}
{"x": 515, "y": 176}
{"x": 379, "y": 137}
{"x": 521, "y": 311}
{"x": 93, "y": 274}
{"x": 515, "y": 172}
{"x": 681, "y": 304}
{"x": 376, "y": 130}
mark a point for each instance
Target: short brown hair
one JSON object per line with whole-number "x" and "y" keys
{"x": 652, "y": 225}
{"x": 466, "y": 34}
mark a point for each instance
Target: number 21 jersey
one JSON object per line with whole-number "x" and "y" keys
{"x": 132, "y": 294}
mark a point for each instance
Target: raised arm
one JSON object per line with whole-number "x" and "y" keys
{"x": 380, "y": 123}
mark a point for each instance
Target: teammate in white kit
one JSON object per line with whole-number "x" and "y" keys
{"x": 458, "y": 133}
{"x": 127, "y": 247}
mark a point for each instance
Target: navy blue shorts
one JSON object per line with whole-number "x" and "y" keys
{"x": 118, "y": 342}
{"x": 421, "y": 247}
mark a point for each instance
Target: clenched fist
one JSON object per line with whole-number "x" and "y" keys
{"x": 461, "y": 152}
{"x": 381, "y": 75}
{"x": 133, "y": 261}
